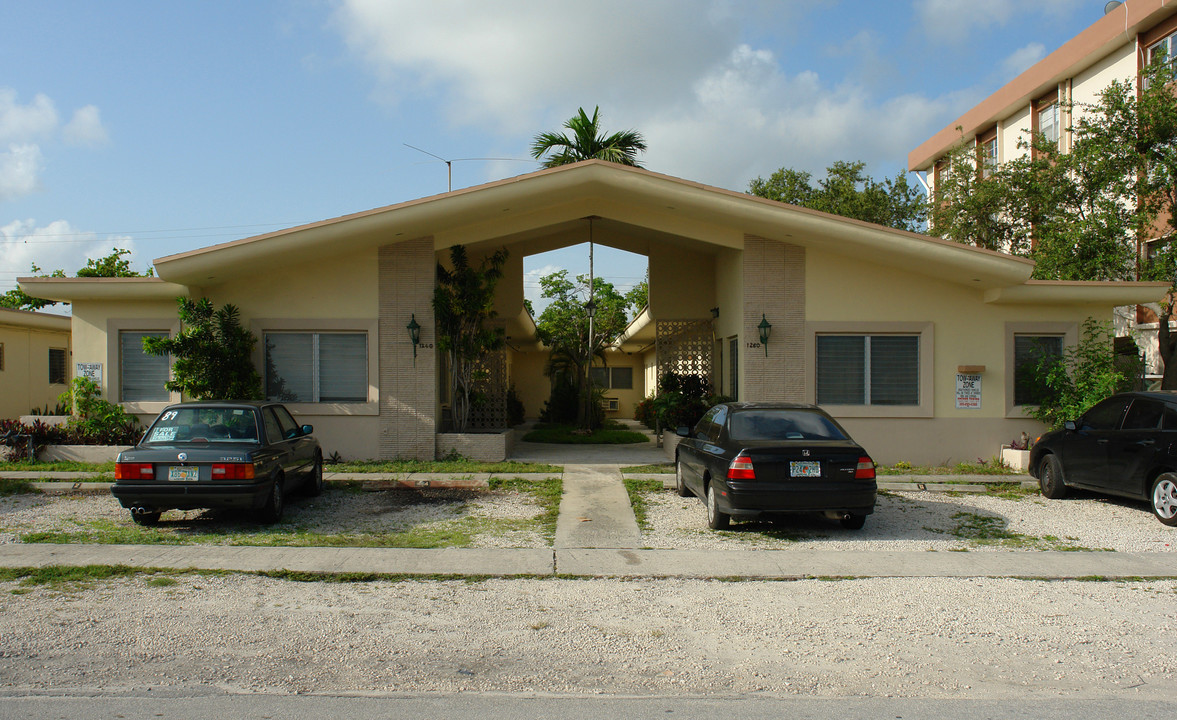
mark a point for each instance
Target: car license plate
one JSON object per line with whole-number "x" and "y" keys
{"x": 804, "y": 468}
{"x": 178, "y": 473}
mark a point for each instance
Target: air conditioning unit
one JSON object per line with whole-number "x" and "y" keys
{"x": 613, "y": 404}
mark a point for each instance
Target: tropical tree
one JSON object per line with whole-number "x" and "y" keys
{"x": 638, "y": 296}
{"x": 463, "y": 302}
{"x": 112, "y": 265}
{"x": 848, "y": 191}
{"x": 212, "y": 352}
{"x": 564, "y": 327}
{"x": 1080, "y": 215}
{"x": 587, "y": 142}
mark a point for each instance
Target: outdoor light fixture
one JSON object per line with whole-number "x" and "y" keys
{"x": 414, "y": 335}
{"x": 715, "y": 312}
{"x": 765, "y": 328}
{"x": 590, "y": 307}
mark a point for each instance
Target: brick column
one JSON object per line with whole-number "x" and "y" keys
{"x": 774, "y": 287}
{"x": 408, "y": 389}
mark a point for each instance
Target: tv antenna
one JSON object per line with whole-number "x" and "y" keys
{"x": 449, "y": 164}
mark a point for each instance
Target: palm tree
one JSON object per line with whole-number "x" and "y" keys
{"x": 588, "y": 142}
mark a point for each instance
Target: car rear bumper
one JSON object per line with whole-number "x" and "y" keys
{"x": 751, "y": 499}
{"x": 190, "y": 496}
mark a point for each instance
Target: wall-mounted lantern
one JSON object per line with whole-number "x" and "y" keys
{"x": 765, "y": 328}
{"x": 414, "y": 335}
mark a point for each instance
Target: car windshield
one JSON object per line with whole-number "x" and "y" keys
{"x": 202, "y": 424}
{"x": 762, "y": 425}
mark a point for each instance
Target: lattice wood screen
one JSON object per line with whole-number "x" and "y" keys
{"x": 489, "y": 412}
{"x": 684, "y": 347}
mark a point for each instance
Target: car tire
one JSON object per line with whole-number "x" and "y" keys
{"x": 146, "y": 519}
{"x": 314, "y": 485}
{"x": 1164, "y": 498}
{"x": 853, "y": 521}
{"x": 275, "y": 504}
{"x": 716, "y": 518}
{"x": 1050, "y": 478}
{"x": 680, "y": 485}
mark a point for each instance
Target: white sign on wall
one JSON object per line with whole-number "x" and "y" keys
{"x": 90, "y": 371}
{"x": 968, "y": 392}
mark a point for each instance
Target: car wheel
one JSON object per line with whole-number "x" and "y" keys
{"x": 276, "y": 504}
{"x": 315, "y": 483}
{"x": 680, "y": 485}
{"x": 716, "y": 518}
{"x": 1164, "y": 498}
{"x": 853, "y": 522}
{"x": 146, "y": 519}
{"x": 1050, "y": 478}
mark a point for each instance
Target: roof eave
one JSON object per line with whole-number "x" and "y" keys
{"x": 1055, "y": 292}
{"x": 74, "y": 289}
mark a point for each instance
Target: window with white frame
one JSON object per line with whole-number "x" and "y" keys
{"x": 1164, "y": 50}
{"x": 141, "y": 376}
{"x": 1029, "y": 352}
{"x": 1048, "y": 121}
{"x": 987, "y": 153}
{"x": 612, "y": 378}
{"x": 316, "y": 367}
{"x": 868, "y": 369}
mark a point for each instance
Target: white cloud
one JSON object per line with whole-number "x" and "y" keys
{"x": 85, "y": 128}
{"x": 25, "y": 127}
{"x": 21, "y": 123}
{"x": 531, "y": 288}
{"x": 20, "y": 166}
{"x": 951, "y": 21}
{"x": 711, "y": 108}
{"x": 58, "y": 245}
{"x": 1022, "y": 58}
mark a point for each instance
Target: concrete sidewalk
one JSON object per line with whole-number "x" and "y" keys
{"x": 590, "y": 562}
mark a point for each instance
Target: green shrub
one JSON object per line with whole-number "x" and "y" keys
{"x": 1082, "y": 376}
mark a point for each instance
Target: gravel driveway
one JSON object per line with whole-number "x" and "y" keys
{"x": 923, "y": 637}
{"x": 902, "y": 521}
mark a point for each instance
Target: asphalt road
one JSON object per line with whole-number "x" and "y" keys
{"x": 156, "y": 706}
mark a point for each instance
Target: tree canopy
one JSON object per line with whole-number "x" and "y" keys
{"x": 848, "y": 191}
{"x": 212, "y": 353}
{"x": 587, "y": 142}
{"x": 112, "y": 265}
{"x": 564, "y": 327}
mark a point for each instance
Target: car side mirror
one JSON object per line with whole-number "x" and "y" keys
{"x": 683, "y": 431}
{"x": 1070, "y": 425}
{"x": 308, "y": 429}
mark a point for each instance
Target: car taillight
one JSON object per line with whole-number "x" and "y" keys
{"x": 232, "y": 471}
{"x": 741, "y": 468}
{"x": 865, "y": 469}
{"x": 134, "y": 471}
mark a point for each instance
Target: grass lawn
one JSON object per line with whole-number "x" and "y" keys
{"x": 566, "y": 434}
{"x": 985, "y": 468}
{"x": 357, "y": 466}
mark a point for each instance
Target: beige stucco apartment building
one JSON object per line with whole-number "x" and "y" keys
{"x": 1118, "y": 46}
{"x": 34, "y": 361}
{"x": 908, "y": 340}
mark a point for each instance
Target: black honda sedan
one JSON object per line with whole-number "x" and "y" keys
{"x": 1125, "y": 445}
{"x": 749, "y": 459}
{"x": 243, "y": 455}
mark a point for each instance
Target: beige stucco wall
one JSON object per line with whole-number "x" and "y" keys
{"x": 531, "y": 385}
{"x": 1011, "y": 131}
{"x": 1118, "y": 65}
{"x": 24, "y": 379}
{"x": 682, "y": 282}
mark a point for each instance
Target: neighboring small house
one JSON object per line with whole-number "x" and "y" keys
{"x": 912, "y": 342}
{"x": 1117, "y": 46}
{"x": 34, "y": 361}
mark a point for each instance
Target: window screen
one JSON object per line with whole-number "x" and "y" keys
{"x": 317, "y": 367}
{"x": 57, "y": 374}
{"x": 868, "y": 370}
{"x": 141, "y": 376}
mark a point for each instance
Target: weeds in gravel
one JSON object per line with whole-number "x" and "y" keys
{"x": 1010, "y": 491}
{"x": 978, "y": 468}
{"x": 236, "y": 529}
{"x": 69, "y": 579}
{"x": 638, "y": 489}
{"x": 58, "y": 466}
{"x": 991, "y": 530}
{"x": 8, "y": 486}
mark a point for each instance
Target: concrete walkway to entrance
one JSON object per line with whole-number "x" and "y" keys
{"x": 595, "y": 511}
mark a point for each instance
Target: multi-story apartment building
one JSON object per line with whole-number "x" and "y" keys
{"x": 1117, "y": 46}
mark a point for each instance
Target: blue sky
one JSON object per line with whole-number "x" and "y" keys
{"x": 165, "y": 126}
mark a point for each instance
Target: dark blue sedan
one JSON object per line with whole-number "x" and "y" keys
{"x": 243, "y": 455}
